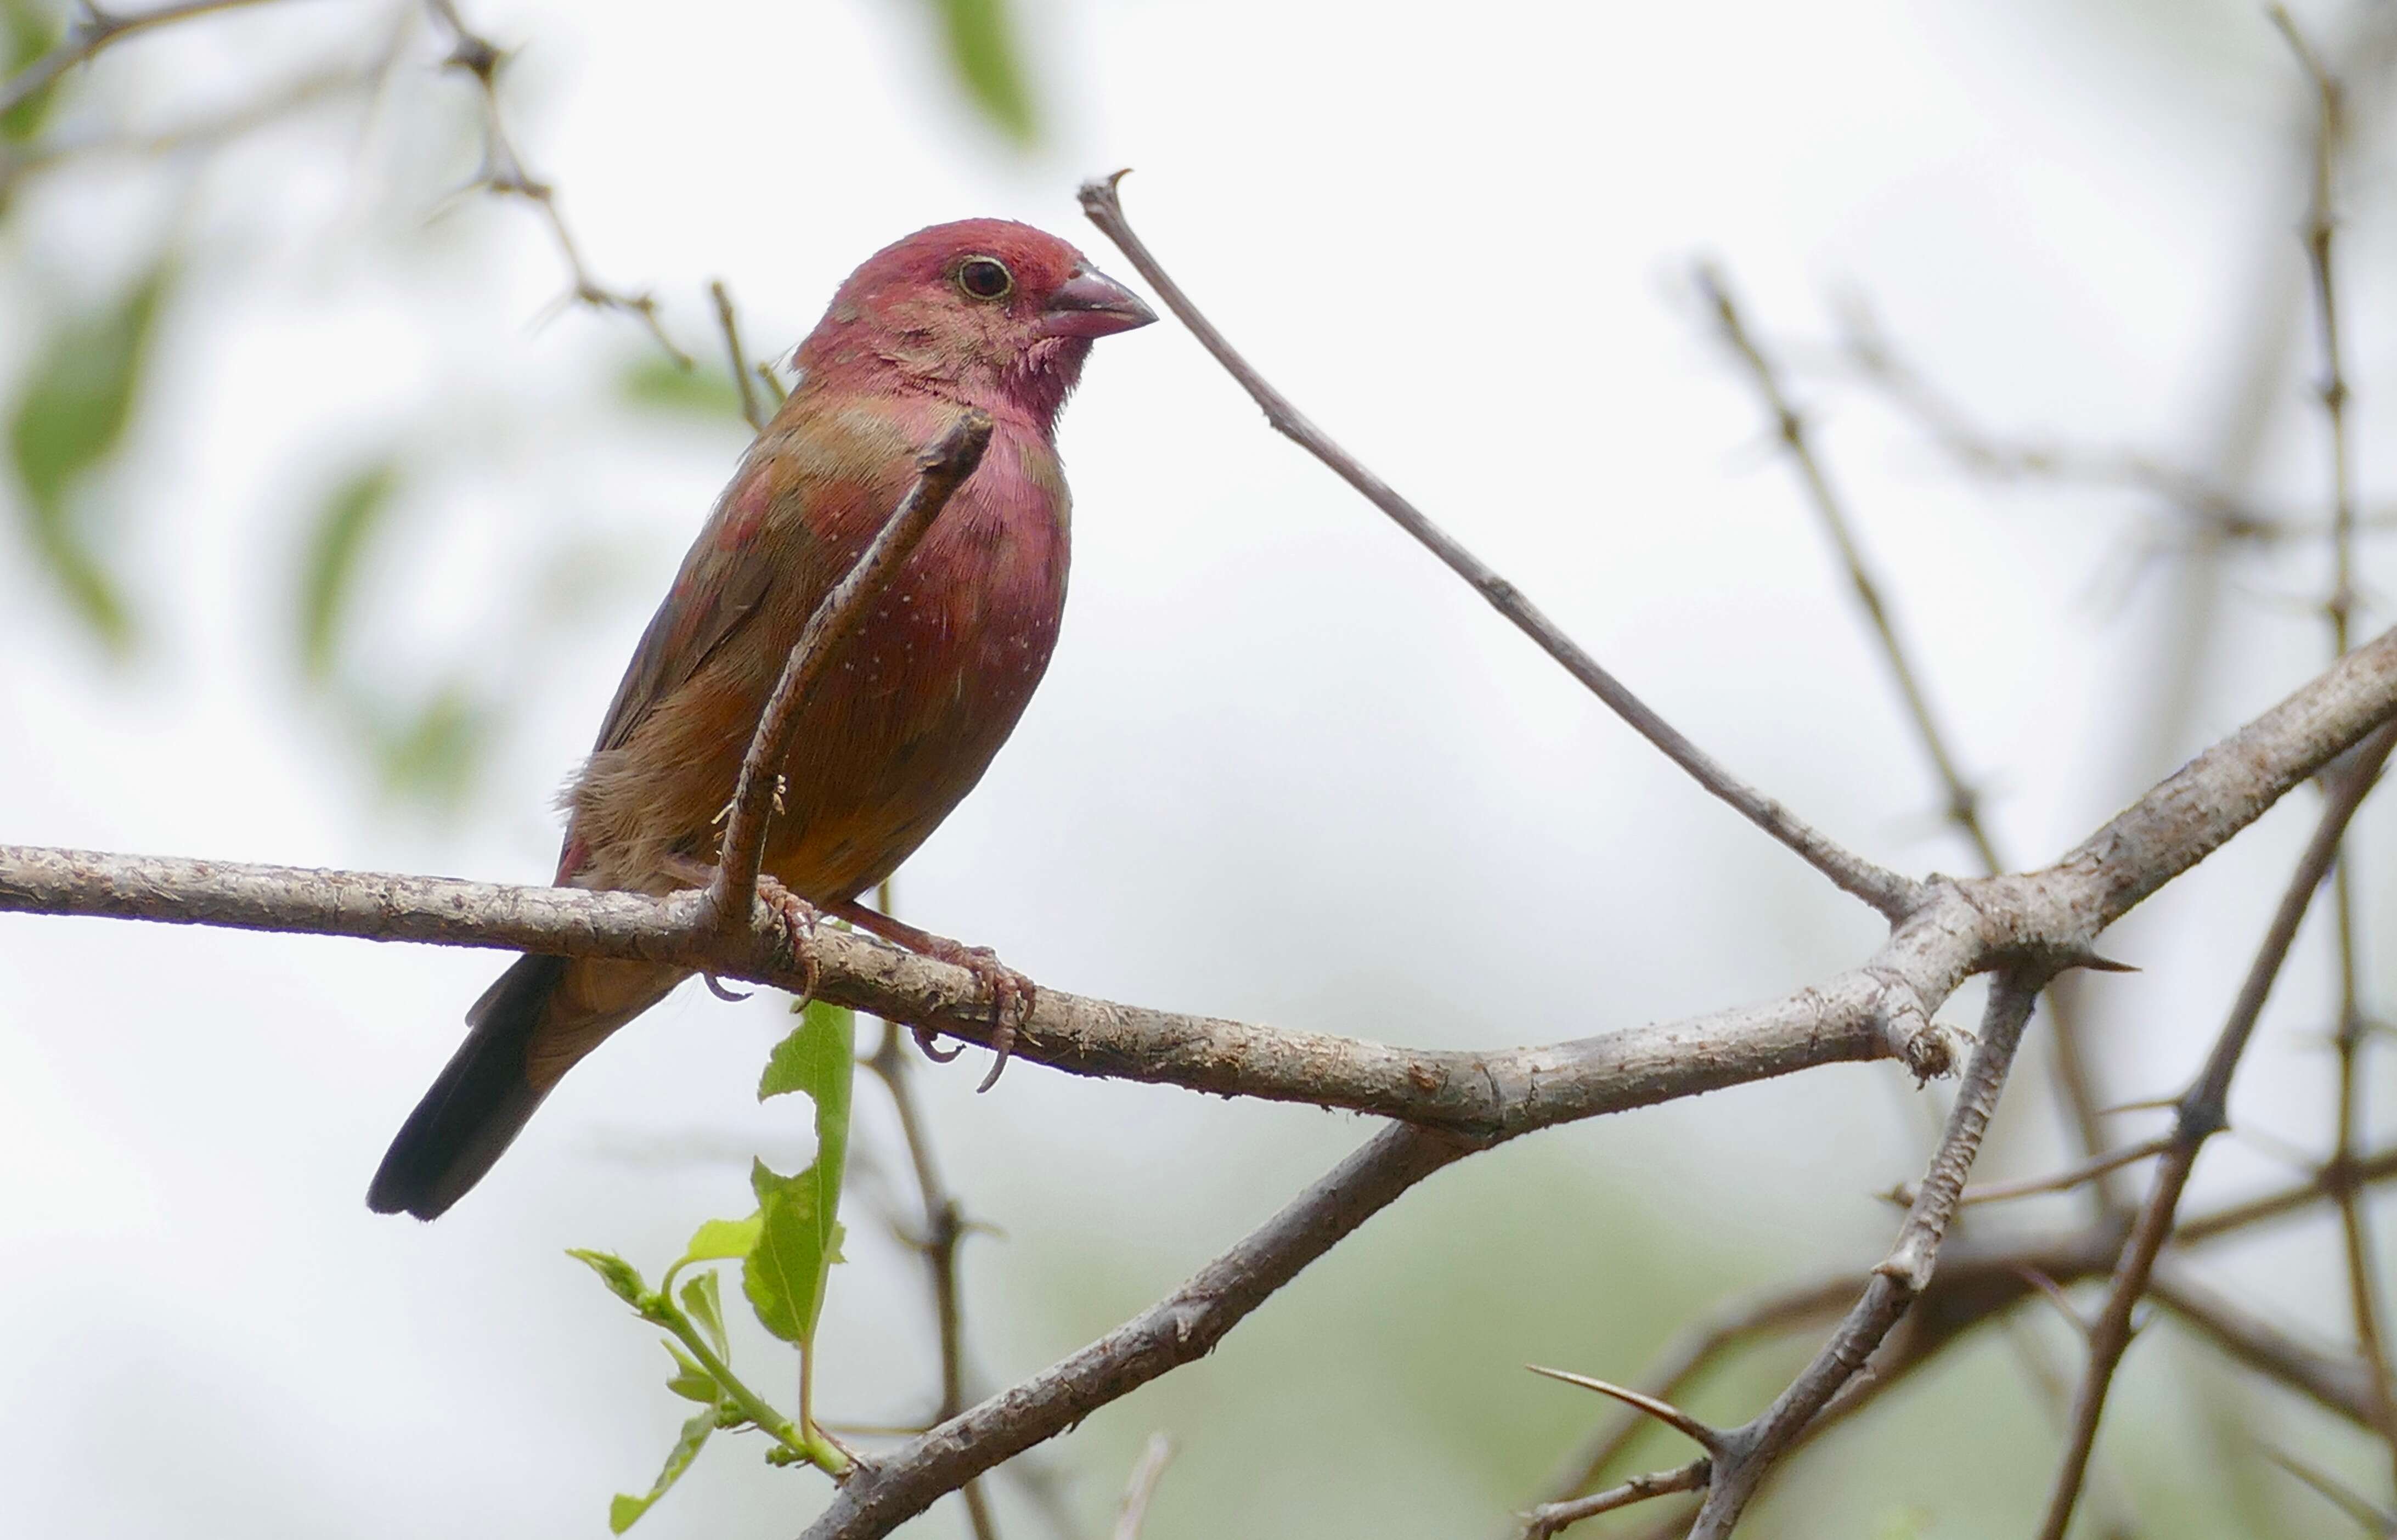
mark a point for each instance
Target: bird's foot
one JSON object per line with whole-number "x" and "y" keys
{"x": 799, "y": 919}
{"x": 1011, "y": 994}
{"x": 797, "y": 928}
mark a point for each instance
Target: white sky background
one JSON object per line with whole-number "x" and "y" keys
{"x": 1284, "y": 766}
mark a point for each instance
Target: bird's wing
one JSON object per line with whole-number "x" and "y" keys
{"x": 724, "y": 582}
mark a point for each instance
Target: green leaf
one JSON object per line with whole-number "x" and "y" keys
{"x": 816, "y": 1059}
{"x": 624, "y": 1512}
{"x": 720, "y": 1241}
{"x": 661, "y": 384}
{"x": 703, "y": 1301}
{"x": 344, "y": 525}
{"x": 980, "y": 41}
{"x": 691, "y": 1382}
{"x": 799, "y": 1229}
{"x": 28, "y": 30}
{"x": 78, "y": 397}
{"x": 784, "y": 1277}
{"x": 622, "y": 1277}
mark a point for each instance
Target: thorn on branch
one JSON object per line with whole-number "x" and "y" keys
{"x": 1699, "y": 1433}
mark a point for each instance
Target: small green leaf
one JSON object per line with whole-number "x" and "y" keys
{"x": 817, "y": 1059}
{"x": 691, "y": 1382}
{"x": 78, "y": 397}
{"x": 660, "y": 384}
{"x": 344, "y": 525}
{"x": 624, "y": 1512}
{"x": 703, "y": 1301}
{"x": 28, "y": 30}
{"x": 981, "y": 40}
{"x": 720, "y": 1241}
{"x": 799, "y": 1231}
{"x": 622, "y": 1277}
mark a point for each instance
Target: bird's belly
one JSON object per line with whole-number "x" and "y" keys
{"x": 900, "y": 729}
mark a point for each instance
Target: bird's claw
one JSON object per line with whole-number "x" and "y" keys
{"x": 799, "y": 920}
{"x": 1011, "y": 993}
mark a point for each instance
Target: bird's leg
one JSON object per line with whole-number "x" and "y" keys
{"x": 798, "y": 917}
{"x": 1007, "y": 986}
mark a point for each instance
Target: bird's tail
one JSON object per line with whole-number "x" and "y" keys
{"x": 529, "y": 1027}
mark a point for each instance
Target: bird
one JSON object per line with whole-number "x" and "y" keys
{"x": 985, "y": 315}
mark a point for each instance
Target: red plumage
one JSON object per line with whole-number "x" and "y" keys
{"x": 916, "y": 699}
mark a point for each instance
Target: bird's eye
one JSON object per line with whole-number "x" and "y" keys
{"x": 985, "y": 278}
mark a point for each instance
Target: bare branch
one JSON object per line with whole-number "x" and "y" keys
{"x": 940, "y": 471}
{"x": 1750, "y": 1451}
{"x": 2062, "y": 1181}
{"x": 1888, "y": 892}
{"x": 1962, "y": 800}
{"x": 2204, "y": 1112}
{"x": 2369, "y": 1516}
{"x": 2338, "y": 608}
{"x": 945, "y": 1226}
{"x": 1153, "y": 1458}
{"x": 750, "y": 411}
{"x": 1184, "y": 1326}
{"x": 1880, "y": 1010}
{"x": 504, "y": 172}
{"x": 2338, "y": 1385}
{"x": 92, "y": 30}
{"x": 1554, "y": 1518}
{"x": 2287, "y": 1200}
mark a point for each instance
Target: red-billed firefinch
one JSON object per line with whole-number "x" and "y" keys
{"x": 919, "y": 697}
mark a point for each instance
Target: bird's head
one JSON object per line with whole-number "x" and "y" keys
{"x": 996, "y": 314}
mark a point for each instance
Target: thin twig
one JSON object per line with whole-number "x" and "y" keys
{"x": 730, "y": 325}
{"x": 2335, "y": 1382}
{"x": 940, "y": 471}
{"x": 2287, "y": 1200}
{"x": 1888, "y": 892}
{"x": 1962, "y": 799}
{"x": 504, "y": 172}
{"x": 2338, "y": 608}
{"x": 92, "y": 30}
{"x": 1184, "y": 1326}
{"x": 2062, "y": 1181}
{"x": 1749, "y": 1452}
{"x": 1132, "y": 1512}
{"x": 1554, "y": 1518}
{"x": 945, "y": 1226}
{"x": 2204, "y": 1112}
{"x": 2369, "y": 1516}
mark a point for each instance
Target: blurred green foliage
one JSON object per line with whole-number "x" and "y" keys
{"x": 433, "y": 754}
{"x": 981, "y": 38}
{"x": 348, "y": 520}
{"x": 71, "y": 416}
{"x": 656, "y": 383}
{"x": 28, "y": 30}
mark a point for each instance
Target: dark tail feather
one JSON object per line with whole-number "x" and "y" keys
{"x": 477, "y": 1106}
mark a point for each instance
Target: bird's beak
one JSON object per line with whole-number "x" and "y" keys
{"x": 1092, "y": 304}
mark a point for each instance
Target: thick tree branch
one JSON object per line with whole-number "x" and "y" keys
{"x": 1886, "y": 890}
{"x": 1464, "y": 1101}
